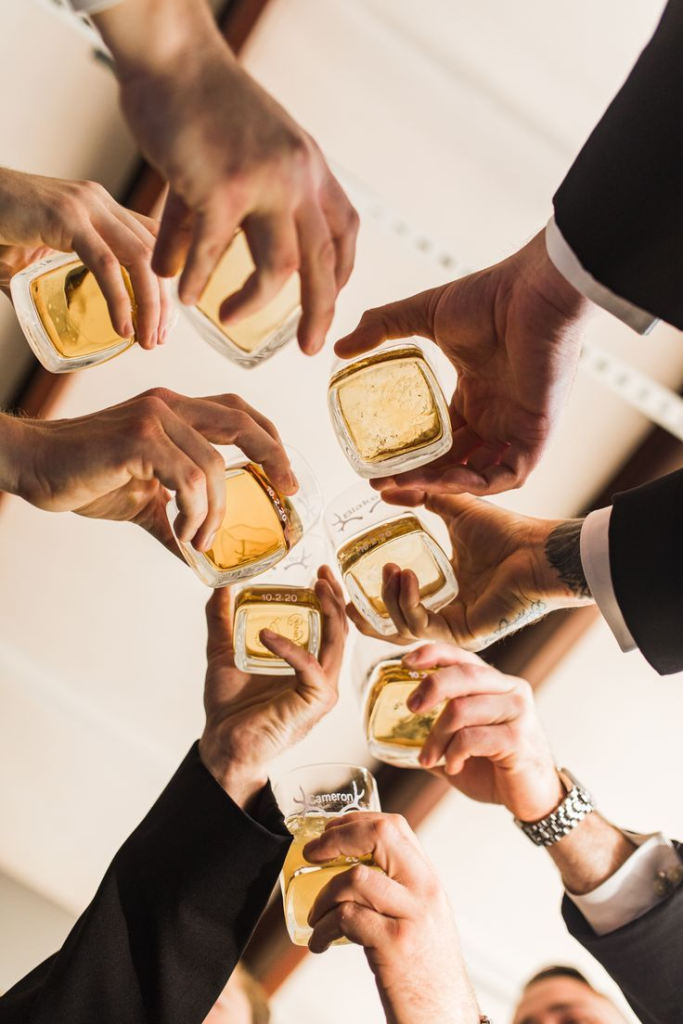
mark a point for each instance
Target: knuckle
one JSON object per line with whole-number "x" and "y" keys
{"x": 194, "y": 478}
{"x": 352, "y": 220}
{"x": 284, "y": 264}
{"x": 241, "y": 421}
{"x": 346, "y": 913}
{"x": 358, "y": 874}
{"x": 159, "y": 397}
{"x": 92, "y": 188}
{"x": 234, "y": 401}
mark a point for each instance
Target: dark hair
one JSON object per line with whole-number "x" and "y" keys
{"x": 558, "y": 971}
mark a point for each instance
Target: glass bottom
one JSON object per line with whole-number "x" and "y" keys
{"x": 265, "y": 608}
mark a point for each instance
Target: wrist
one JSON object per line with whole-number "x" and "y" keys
{"x": 149, "y": 37}
{"x": 557, "y": 555}
{"x": 541, "y": 795}
{"x": 13, "y": 466}
{"x": 590, "y": 854}
{"x": 541, "y": 277}
{"x": 241, "y": 782}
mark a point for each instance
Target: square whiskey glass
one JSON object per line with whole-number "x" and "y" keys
{"x": 367, "y": 534}
{"x": 260, "y": 526}
{"x": 64, "y": 315}
{"x": 257, "y": 337}
{"x": 388, "y": 410}
{"x": 309, "y": 797}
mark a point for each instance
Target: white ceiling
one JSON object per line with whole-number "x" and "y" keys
{"x": 464, "y": 120}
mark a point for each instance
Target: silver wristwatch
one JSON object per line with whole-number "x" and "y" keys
{"x": 576, "y": 805}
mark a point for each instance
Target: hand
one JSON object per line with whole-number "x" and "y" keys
{"x": 232, "y": 156}
{"x": 40, "y": 214}
{"x": 120, "y": 463}
{"x": 512, "y": 332}
{"x": 489, "y": 734}
{"x": 401, "y": 917}
{"x": 511, "y": 571}
{"x": 252, "y": 719}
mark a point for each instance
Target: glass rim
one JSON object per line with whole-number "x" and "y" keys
{"x": 410, "y": 341}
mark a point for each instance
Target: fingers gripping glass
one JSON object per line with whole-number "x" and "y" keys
{"x": 282, "y": 600}
{"x": 309, "y": 798}
{"x": 260, "y": 526}
{"x": 64, "y": 315}
{"x": 255, "y": 338}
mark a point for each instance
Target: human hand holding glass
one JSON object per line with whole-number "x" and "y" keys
{"x": 252, "y": 719}
{"x": 512, "y": 332}
{"x": 40, "y": 215}
{"x": 232, "y": 156}
{"x": 511, "y": 570}
{"x": 120, "y": 463}
{"x": 310, "y": 798}
{"x": 399, "y": 914}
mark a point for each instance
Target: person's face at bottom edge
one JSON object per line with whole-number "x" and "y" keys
{"x": 565, "y": 1001}
{"x": 233, "y": 1006}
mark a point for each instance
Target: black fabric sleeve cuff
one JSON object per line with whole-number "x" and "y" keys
{"x": 646, "y": 562}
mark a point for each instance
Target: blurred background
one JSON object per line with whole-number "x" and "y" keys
{"x": 452, "y": 124}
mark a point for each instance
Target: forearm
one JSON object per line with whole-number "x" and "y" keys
{"x": 590, "y": 854}
{"x": 449, "y": 1001}
{"x": 242, "y": 786}
{"x": 558, "y": 570}
{"x": 12, "y": 444}
{"x": 148, "y": 36}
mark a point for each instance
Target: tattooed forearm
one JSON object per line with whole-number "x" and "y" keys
{"x": 563, "y": 551}
{"x": 524, "y": 617}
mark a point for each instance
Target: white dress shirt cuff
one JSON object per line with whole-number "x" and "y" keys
{"x": 571, "y": 269}
{"x": 596, "y": 569}
{"x": 650, "y": 875}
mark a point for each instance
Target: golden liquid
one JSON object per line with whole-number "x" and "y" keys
{"x": 401, "y": 541}
{"x": 293, "y": 612}
{"x": 74, "y": 312}
{"x": 258, "y": 522}
{"x": 229, "y": 276}
{"x": 387, "y": 404}
{"x": 301, "y": 890}
{"x": 388, "y": 719}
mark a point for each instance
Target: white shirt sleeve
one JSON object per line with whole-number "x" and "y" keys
{"x": 562, "y": 256}
{"x": 650, "y": 875}
{"x": 596, "y": 569}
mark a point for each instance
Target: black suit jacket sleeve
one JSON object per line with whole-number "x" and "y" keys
{"x": 170, "y": 918}
{"x": 646, "y": 562}
{"x": 644, "y": 957}
{"x": 620, "y": 206}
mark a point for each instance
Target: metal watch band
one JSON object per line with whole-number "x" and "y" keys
{"x": 577, "y": 804}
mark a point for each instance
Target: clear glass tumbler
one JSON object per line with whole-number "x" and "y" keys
{"x": 284, "y": 601}
{"x": 388, "y": 410}
{"x": 309, "y": 797}
{"x": 257, "y": 337}
{"x": 367, "y": 534}
{"x": 64, "y": 315}
{"x": 260, "y": 526}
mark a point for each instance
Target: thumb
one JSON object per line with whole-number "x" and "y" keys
{"x": 219, "y": 625}
{"x": 402, "y": 319}
{"x": 174, "y": 237}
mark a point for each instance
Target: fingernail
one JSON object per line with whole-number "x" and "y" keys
{"x": 269, "y": 635}
{"x": 415, "y": 701}
{"x": 129, "y": 330}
